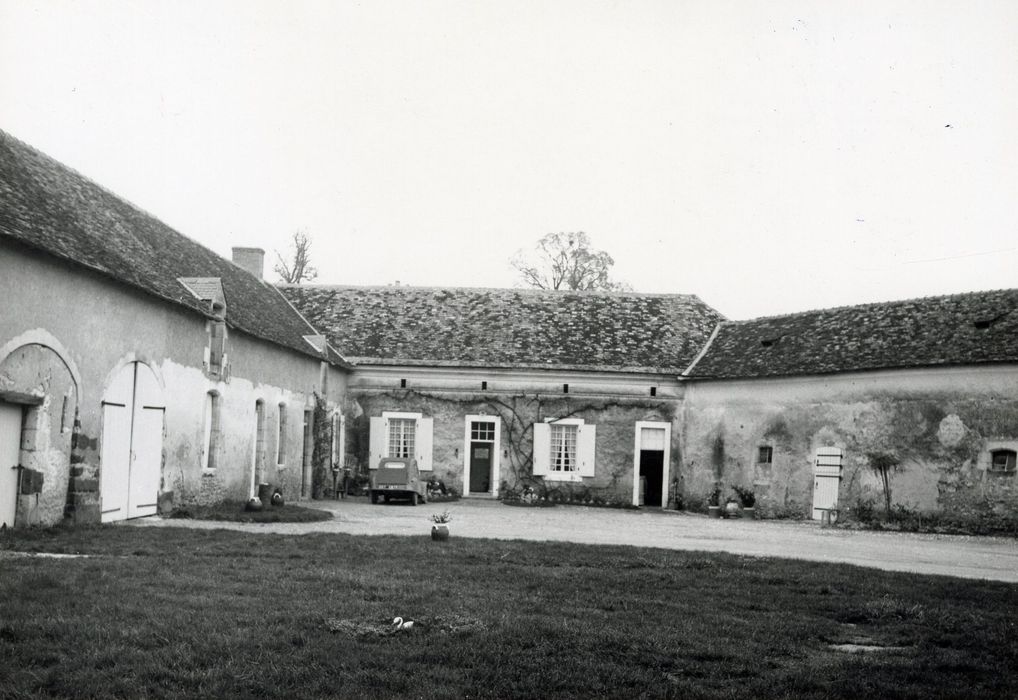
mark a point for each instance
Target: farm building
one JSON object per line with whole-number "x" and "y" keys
{"x": 140, "y": 371}
{"x": 137, "y": 368}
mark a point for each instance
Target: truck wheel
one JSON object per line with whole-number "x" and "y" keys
{"x": 374, "y": 497}
{"x": 413, "y": 498}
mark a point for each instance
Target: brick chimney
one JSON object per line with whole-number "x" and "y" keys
{"x": 251, "y": 259}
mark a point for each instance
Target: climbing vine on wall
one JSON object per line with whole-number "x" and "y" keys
{"x": 518, "y": 414}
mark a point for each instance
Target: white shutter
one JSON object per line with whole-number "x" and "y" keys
{"x": 423, "y": 439}
{"x": 542, "y": 448}
{"x": 376, "y": 441}
{"x": 585, "y": 448}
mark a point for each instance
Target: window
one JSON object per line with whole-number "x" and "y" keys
{"x": 482, "y": 431}
{"x": 400, "y": 435}
{"x": 402, "y": 432}
{"x": 281, "y": 440}
{"x": 211, "y": 438}
{"x": 259, "y": 454}
{"x": 764, "y": 454}
{"x": 563, "y": 448}
{"x": 338, "y": 439}
{"x": 217, "y": 346}
{"x": 1002, "y": 461}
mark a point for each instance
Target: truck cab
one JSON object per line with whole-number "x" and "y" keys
{"x": 398, "y": 478}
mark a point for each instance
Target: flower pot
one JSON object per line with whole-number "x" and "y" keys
{"x": 440, "y": 533}
{"x": 714, "y": 512}
{"x": 748, "y": 512}
{"x": 731, "y": 509}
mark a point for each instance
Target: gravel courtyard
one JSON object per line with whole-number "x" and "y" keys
{"x": 968, "y": 557}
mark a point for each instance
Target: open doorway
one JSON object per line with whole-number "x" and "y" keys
{"x": 650, "y": 463}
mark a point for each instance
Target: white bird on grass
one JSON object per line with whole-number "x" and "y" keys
{"x": 398, "y": 624}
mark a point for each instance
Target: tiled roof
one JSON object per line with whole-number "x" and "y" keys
{"x": 960, "y": 329}
{"x": 513, "y": 328}
{"x": 50, "y": 207}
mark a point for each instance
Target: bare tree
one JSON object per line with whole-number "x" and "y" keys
{"x": 296, "y": 268}
{"x": 567, "y": 261}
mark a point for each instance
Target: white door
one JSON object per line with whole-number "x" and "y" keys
{"x": 132, "y": 444}
{"x": 826, "y": 480}
{"x": 10, "y": 448}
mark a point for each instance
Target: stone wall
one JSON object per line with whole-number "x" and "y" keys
{"x": 939, "y": 425}
{"x": 615, "y": 418}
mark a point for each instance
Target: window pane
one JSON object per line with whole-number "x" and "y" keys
{"x": 401, "y": 437}
{"x": 765, "y": 454}
{"x": 563, "y": 448}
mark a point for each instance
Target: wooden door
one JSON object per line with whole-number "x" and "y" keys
{"x": 826, "y": 480}
{"x": 482, "y": 447}
{"x": 132, "y": 444}
{"x": 10, "y": 448}
{"x": 146, "y": 443}
{"x": 480, "y": 467}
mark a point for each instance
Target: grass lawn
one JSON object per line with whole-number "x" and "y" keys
{"x": 167, "y": 612}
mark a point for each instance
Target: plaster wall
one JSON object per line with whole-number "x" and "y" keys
{"x": 941, "y": 424}
{"x": 96, "y": 327}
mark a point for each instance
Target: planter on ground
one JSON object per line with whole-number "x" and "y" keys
{"x": 440, "y": 533}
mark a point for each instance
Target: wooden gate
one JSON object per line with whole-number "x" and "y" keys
{"x": 132, "y": 444}
{"x": 826, "y": 480}
{"x": 10, "y": 450}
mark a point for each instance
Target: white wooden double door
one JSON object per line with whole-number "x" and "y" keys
{"x": 132, "y": 444}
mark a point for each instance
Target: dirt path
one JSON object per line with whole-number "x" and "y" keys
{"x": 967, "y": 557}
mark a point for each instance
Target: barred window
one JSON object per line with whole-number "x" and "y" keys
{"x": 401, "y": 437}
{"x": 563, "y": 448}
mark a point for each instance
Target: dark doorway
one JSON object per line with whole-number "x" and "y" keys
{"x": 480, "y": 466}
{"x": 652, "y": 464}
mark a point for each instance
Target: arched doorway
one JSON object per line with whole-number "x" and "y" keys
{"x": 132, "y": 444}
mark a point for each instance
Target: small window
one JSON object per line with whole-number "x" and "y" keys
{"x": 281, "y": 437}
{"x": 565, "y": 388}
{"x": 484, "y": 386}
{"x": 563, "y": 448}
{"x": 217, "y": 346}
{"x": 211, "y": 442}
{"x": 653, "y": 391}
{"x": 482, "y": 431}
{"x": 764, "y": 454}
{"x": 1002, "y": 461}
{"x": 402, "y": 384}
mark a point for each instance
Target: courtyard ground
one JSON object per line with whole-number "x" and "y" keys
{"x": 170, "y": 612}
{"x": 993, "y": 558}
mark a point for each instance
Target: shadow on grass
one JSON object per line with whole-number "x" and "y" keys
{"x": 238, "y": 513}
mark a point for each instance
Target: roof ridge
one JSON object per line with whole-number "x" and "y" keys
{"x": 870, "y": 304}
{"x": 523, "y": 290}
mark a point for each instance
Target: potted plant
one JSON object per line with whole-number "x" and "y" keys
{"x": 748, "y": 500}
{"x": 440, "y": 530}
{"x": 714, "y": 503}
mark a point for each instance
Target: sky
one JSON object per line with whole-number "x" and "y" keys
{"x": 769, "y": 157}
